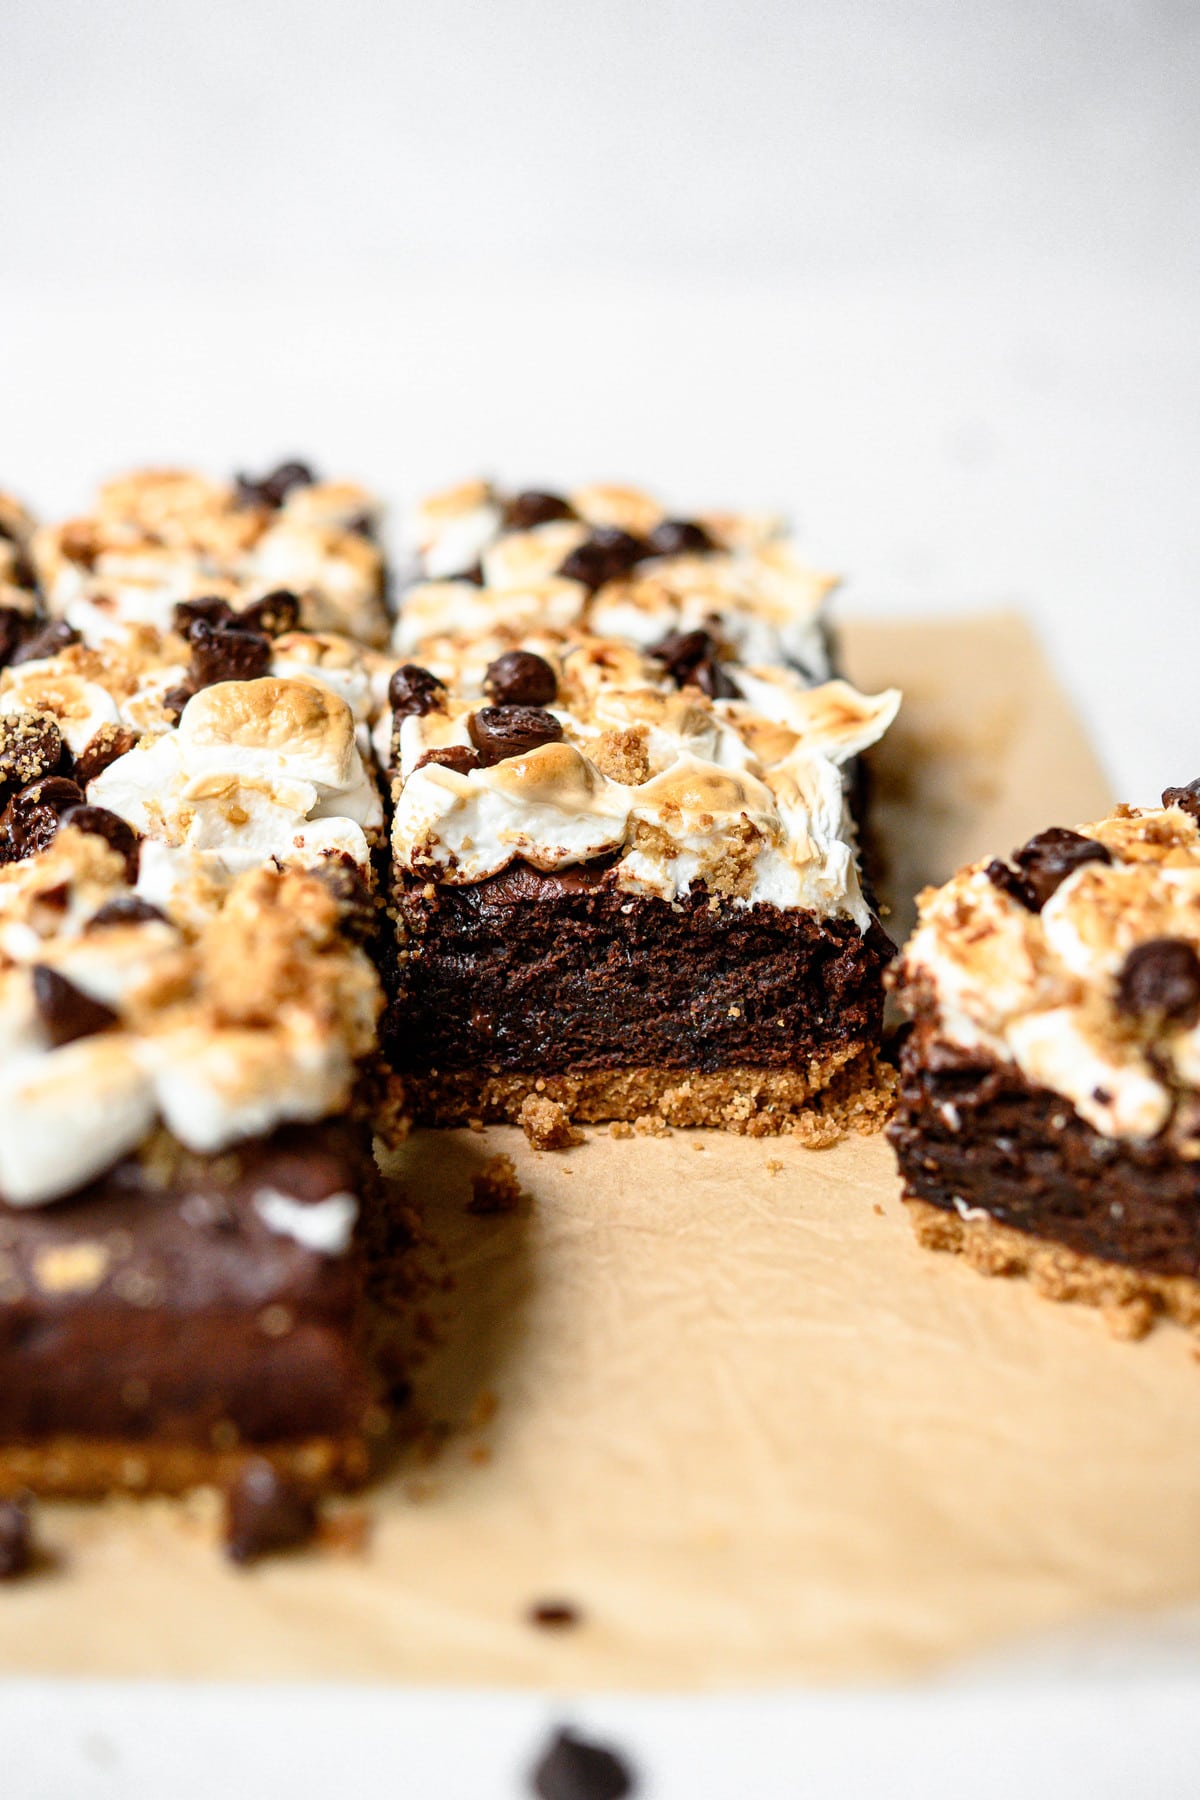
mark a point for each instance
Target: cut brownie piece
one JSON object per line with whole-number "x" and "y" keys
{"x": 184, "y": 1153}
{"x": 161, "y": 536}
{"x": 1049, "y": 1115}
{"x": 624, "y": 866}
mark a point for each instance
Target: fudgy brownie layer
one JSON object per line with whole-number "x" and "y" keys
{"x": 158, "y": 1307}
{"x": 972, "y": 1130}
{"x": 565, "y": 973}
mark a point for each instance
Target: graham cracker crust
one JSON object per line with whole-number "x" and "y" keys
{"x": 849, "y": 1090}
{"x": 85, "y": 1468}
{"x": 1130, "y": 1299}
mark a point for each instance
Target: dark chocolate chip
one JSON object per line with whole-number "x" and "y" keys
{"x": 474, "y": 575}
{"x": 362, "y": 525}
{"x": 273, "y": 489}
{"x": 174, "y": 701}
{"x": 499, "y": 732}
{"x": 534, "y": 507}
{"x": 30, "y": 748}
{"x": 679, "y": 537}
{"x": 554, "y": 1615}
{"x": 12, "y": 629}
{"x": 414, "y": 691}
{"x": 1160, "y": 980}
{"x": 52, "y": 638}
{"x": 128, "y": 909}
{"x": 693, "y": 660}
{"x": 606, "y": 555}
{"x": 208, "y": 611}
{"x": 1012, "y": 884}
{"x": 573, "y": 1769}
{"x": 31, "y": 817}
{"x": 109, "y": 744}
{"x": 265, "y": 1512}
{"x": 519, "y": 678}
{"x": 17, "y": 1555}
{"x": 226, "y": 653}
{"x": 1186, "y": 798}
{"x": 1047, "y": 859}
{"x": 116, "y": 832}
{"x": 275, "y": 613}
{"x": 65, "y": 1011}
{"x": 459, "y": 757}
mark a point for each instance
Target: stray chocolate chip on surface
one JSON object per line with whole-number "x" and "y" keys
{"x": 109, "y": 744}
{"x": 273, "y": 489}
{"x": 605, "y": 556}
{"x": 52, "y": 638}
{"x": 459, "y": 757}
{"x": 265, "y": 1512}
{"x": 275, "y": 613}
{"x": 30, "y": 748}
{"x": 414, "y": 691}
{"x": 499, "y": 732}
{"x": 554, "y": 1615}
{"x": 1043, "y": 864}
{"x": 573, "y": 1769}
{"x": 226, "y": 653}
{"x": 1186, "y": 798}
{"x": 1160, "y": 980}
{"x": 534, "y": 507}
{"x": 116, "y": 832}
{"x": 17, "y": 1555}
{"x": 65, "y": 1011}
{"x": 520, "y": 678}
{"x": 693, "y": 660}
{"x": 679, "y": 537}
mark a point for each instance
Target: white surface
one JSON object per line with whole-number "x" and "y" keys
{"x": 924, "y": 274}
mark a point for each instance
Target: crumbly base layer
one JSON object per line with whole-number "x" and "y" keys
{"x": 80, "y": 1468}
{"x": 850, "y": 1089}
{"x": 1130, "y": 1298}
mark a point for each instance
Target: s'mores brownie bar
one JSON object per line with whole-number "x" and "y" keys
{"x": 183, "y": 1159}
{"x": 624, "y": 859}
{"x": 1049, "y": 1115}
{"x": 159, "y": 536}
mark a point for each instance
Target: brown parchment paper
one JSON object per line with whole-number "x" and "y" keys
{"x": 709, "y": 1391}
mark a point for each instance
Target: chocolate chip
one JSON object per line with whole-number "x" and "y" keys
{"x": 30, "y": 747}
{"x": 65, "y": 1011}
{"x": 573, "y": 1769}
{"x": 128, "y": 909}
{"x": 120, "y": 836}
{"x": 109, "y": 744}
{"x": 1043, "y": 865}
{"x": 459, "y": 757}
{"x": 554, "y": 1615}
{"x": 273, "y": 489}
{"x": 1160, "y": 980}
{"x": 606, "y": 555}
{"x": 519, "y": 678}
{"x": 533, "y": 507}
{"x": 174, "y": 701}
{"x": 345, "y": 881}
{"x": 12, "y": 629}
{"x": 226, "y": 653}
{"x": 693, "y": 660}
{"x": 474, "y": 575}
{"x": 52, "y": 638}
{"x": 275, "y": 613}
{"x": 679, "y": 537}
{"x": 499, "y": 732}
{"x": 414, "y": 691}
{"x": 208, "y": 612}
{"x": 265, "y": 1512}
{"x": 31, "y": 817}
{"x": 1187, "y": 799}
{"x": 17, "y": 1555}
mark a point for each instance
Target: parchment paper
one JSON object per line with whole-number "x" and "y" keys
{"x": 709, "y": 1391}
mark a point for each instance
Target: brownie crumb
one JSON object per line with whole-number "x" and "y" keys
{"x": 547, "y": 1124}
{"x": 554, "y": 1615}
{"x": 573, "y": 1769}
{"x": 495, "y": 1188}
{"x": 265, "y": 1513}
{"x": 17, "y": 1553}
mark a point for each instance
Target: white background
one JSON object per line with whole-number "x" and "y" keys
{"x": 925, "y": 274}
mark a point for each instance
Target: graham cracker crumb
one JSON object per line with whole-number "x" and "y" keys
{"x": 650, "y": 1125}
{"x": 547, "y": 1124}
{"x": 619, "y": 1129}
{"x": 773, "y": 1165}
{"x": 495, "y": 1188}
